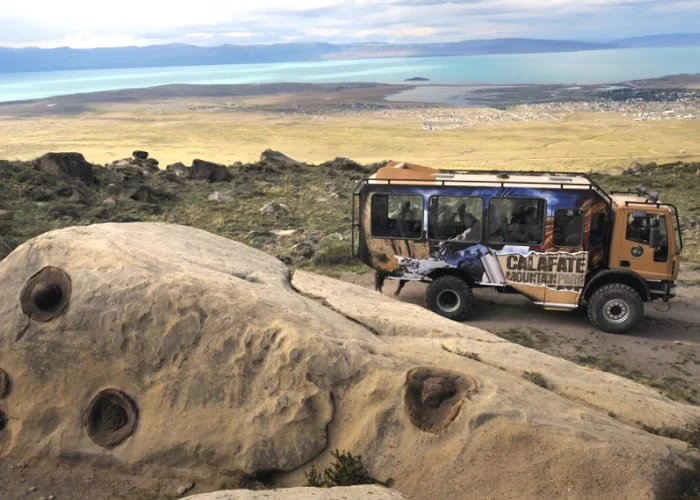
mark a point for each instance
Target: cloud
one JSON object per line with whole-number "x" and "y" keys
{"x": 84, "y": 23}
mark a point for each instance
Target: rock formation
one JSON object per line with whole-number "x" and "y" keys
{"x": 208, "y": 171}
{"x": 155, "y": 345}
{"x": 69, "y": 164}
{"x": 277, "y": 159}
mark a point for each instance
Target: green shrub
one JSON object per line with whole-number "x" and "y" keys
{"x": 347, "y": 470}
{"x": 336, "y": 253}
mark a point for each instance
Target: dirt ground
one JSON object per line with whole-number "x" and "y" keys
{"x": 663, "y": 352}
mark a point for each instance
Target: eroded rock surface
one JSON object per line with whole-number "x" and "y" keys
{"x": 345, "y": 493}
{"x": 150, "y": 344}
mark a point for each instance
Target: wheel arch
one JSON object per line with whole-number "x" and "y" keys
{"x": 450, "y": 271}
{"x": 629, "y": 278}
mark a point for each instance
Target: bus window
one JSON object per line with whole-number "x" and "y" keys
{"x": 455, "y": 218}
{"x": 568, "y": 228}
{"x": 397, "y": 216}
{"x": 517, "y": 221}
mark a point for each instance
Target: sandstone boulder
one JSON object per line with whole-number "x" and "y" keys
{"x": 344, "y": 493}
{"x": 70, "y": 164}
{"x": 208, "y": 171}
{"x": 277, "y": 159}
{"x": 155, "y": 345}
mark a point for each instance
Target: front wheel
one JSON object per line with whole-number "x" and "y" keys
{"x": 451, "y": 297}
{"x": 615, "y": 308}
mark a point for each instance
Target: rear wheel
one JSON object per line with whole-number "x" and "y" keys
{"x": 451, "y": 297}
{"x": 615, "y": 308}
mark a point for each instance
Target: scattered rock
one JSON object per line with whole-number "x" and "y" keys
{"x": 168, "y": 176}
{"x": 286, "y": 259}
{"x": 140, "y": 155}
{"x": 284, "y": 232}
{"x": 32, "y": 489}
{"x": 304, "y": 249}
{"x": 633, "y": 168}
{"x": 276, "y": 208}
{"x": 140, "y": 192}
{"x": 151, "y": 208}
{"x": 7, "y": 215}
{"x": 70, "y": 164}
{"x": 80, "y": 194}
{"x": 179, "y": 170}
{"x": 277, "y": 159}
{"x": 212, "y": 172}
{"x": 64, "y": 191}
{"x": 109, "y": 202}
{"x": 221, "y": 196}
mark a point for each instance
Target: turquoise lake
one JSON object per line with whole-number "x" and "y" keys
{"x": 588, "y": 67}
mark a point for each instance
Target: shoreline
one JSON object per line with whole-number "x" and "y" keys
{"x": 390, "y": 95}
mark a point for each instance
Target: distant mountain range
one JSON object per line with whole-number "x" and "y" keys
{"x": 34, "y": 59}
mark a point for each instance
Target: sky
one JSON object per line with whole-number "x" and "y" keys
{"x": 93, "y": 23}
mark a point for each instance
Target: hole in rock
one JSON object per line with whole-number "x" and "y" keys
{"x": 4, "y": 383}
{"x": 434, "y": 396}
{"x": 111, "y": 418}
{"x": 46, "y": 294}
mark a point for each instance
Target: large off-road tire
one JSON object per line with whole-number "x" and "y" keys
{"x": 451, "y": 297}
{"x": 615, "y": 308}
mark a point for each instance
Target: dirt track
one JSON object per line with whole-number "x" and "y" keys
{"x": 663, "y": 352}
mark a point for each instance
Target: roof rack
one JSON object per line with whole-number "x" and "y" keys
{"x": 591, "y": 184}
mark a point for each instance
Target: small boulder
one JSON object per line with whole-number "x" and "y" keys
{"x": 304, "y": 249}
{"x": 277, "y": 159}
{"x": 179, "y": 170}
{"x": 80, "y": 194}
{"x": 7, "y": 215}
{"x": 70, "y": 164}
{"x": 109, "y": 202}
{"x": 140, "y": 155}
{"x": 151, "y": 208}
{"x": 168, "y": 176}
{"x": 64, "y": 191}
{"x": 221, "y": 196}
{"x": 212, "y": 172}
{"x": 275, "y": 208}
{"x": 286, "y": 259}
{"x": 141, "y": 192}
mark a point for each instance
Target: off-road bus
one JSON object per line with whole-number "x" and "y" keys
{"x": 557, "y": 238}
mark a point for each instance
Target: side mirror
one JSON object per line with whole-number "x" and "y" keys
{"x": 654, "y": 236}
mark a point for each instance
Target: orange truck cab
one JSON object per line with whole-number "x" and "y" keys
{"x": 557, "y": 238}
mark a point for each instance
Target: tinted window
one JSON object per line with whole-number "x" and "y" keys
{"x": 455, "y": 217}
{"x": 397, "y": 216}
{"x": 597, "y": 234}
{"x": 517, "y": 221}
{"x": 568, "y": 228}
{"x": 640, "y": 227}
